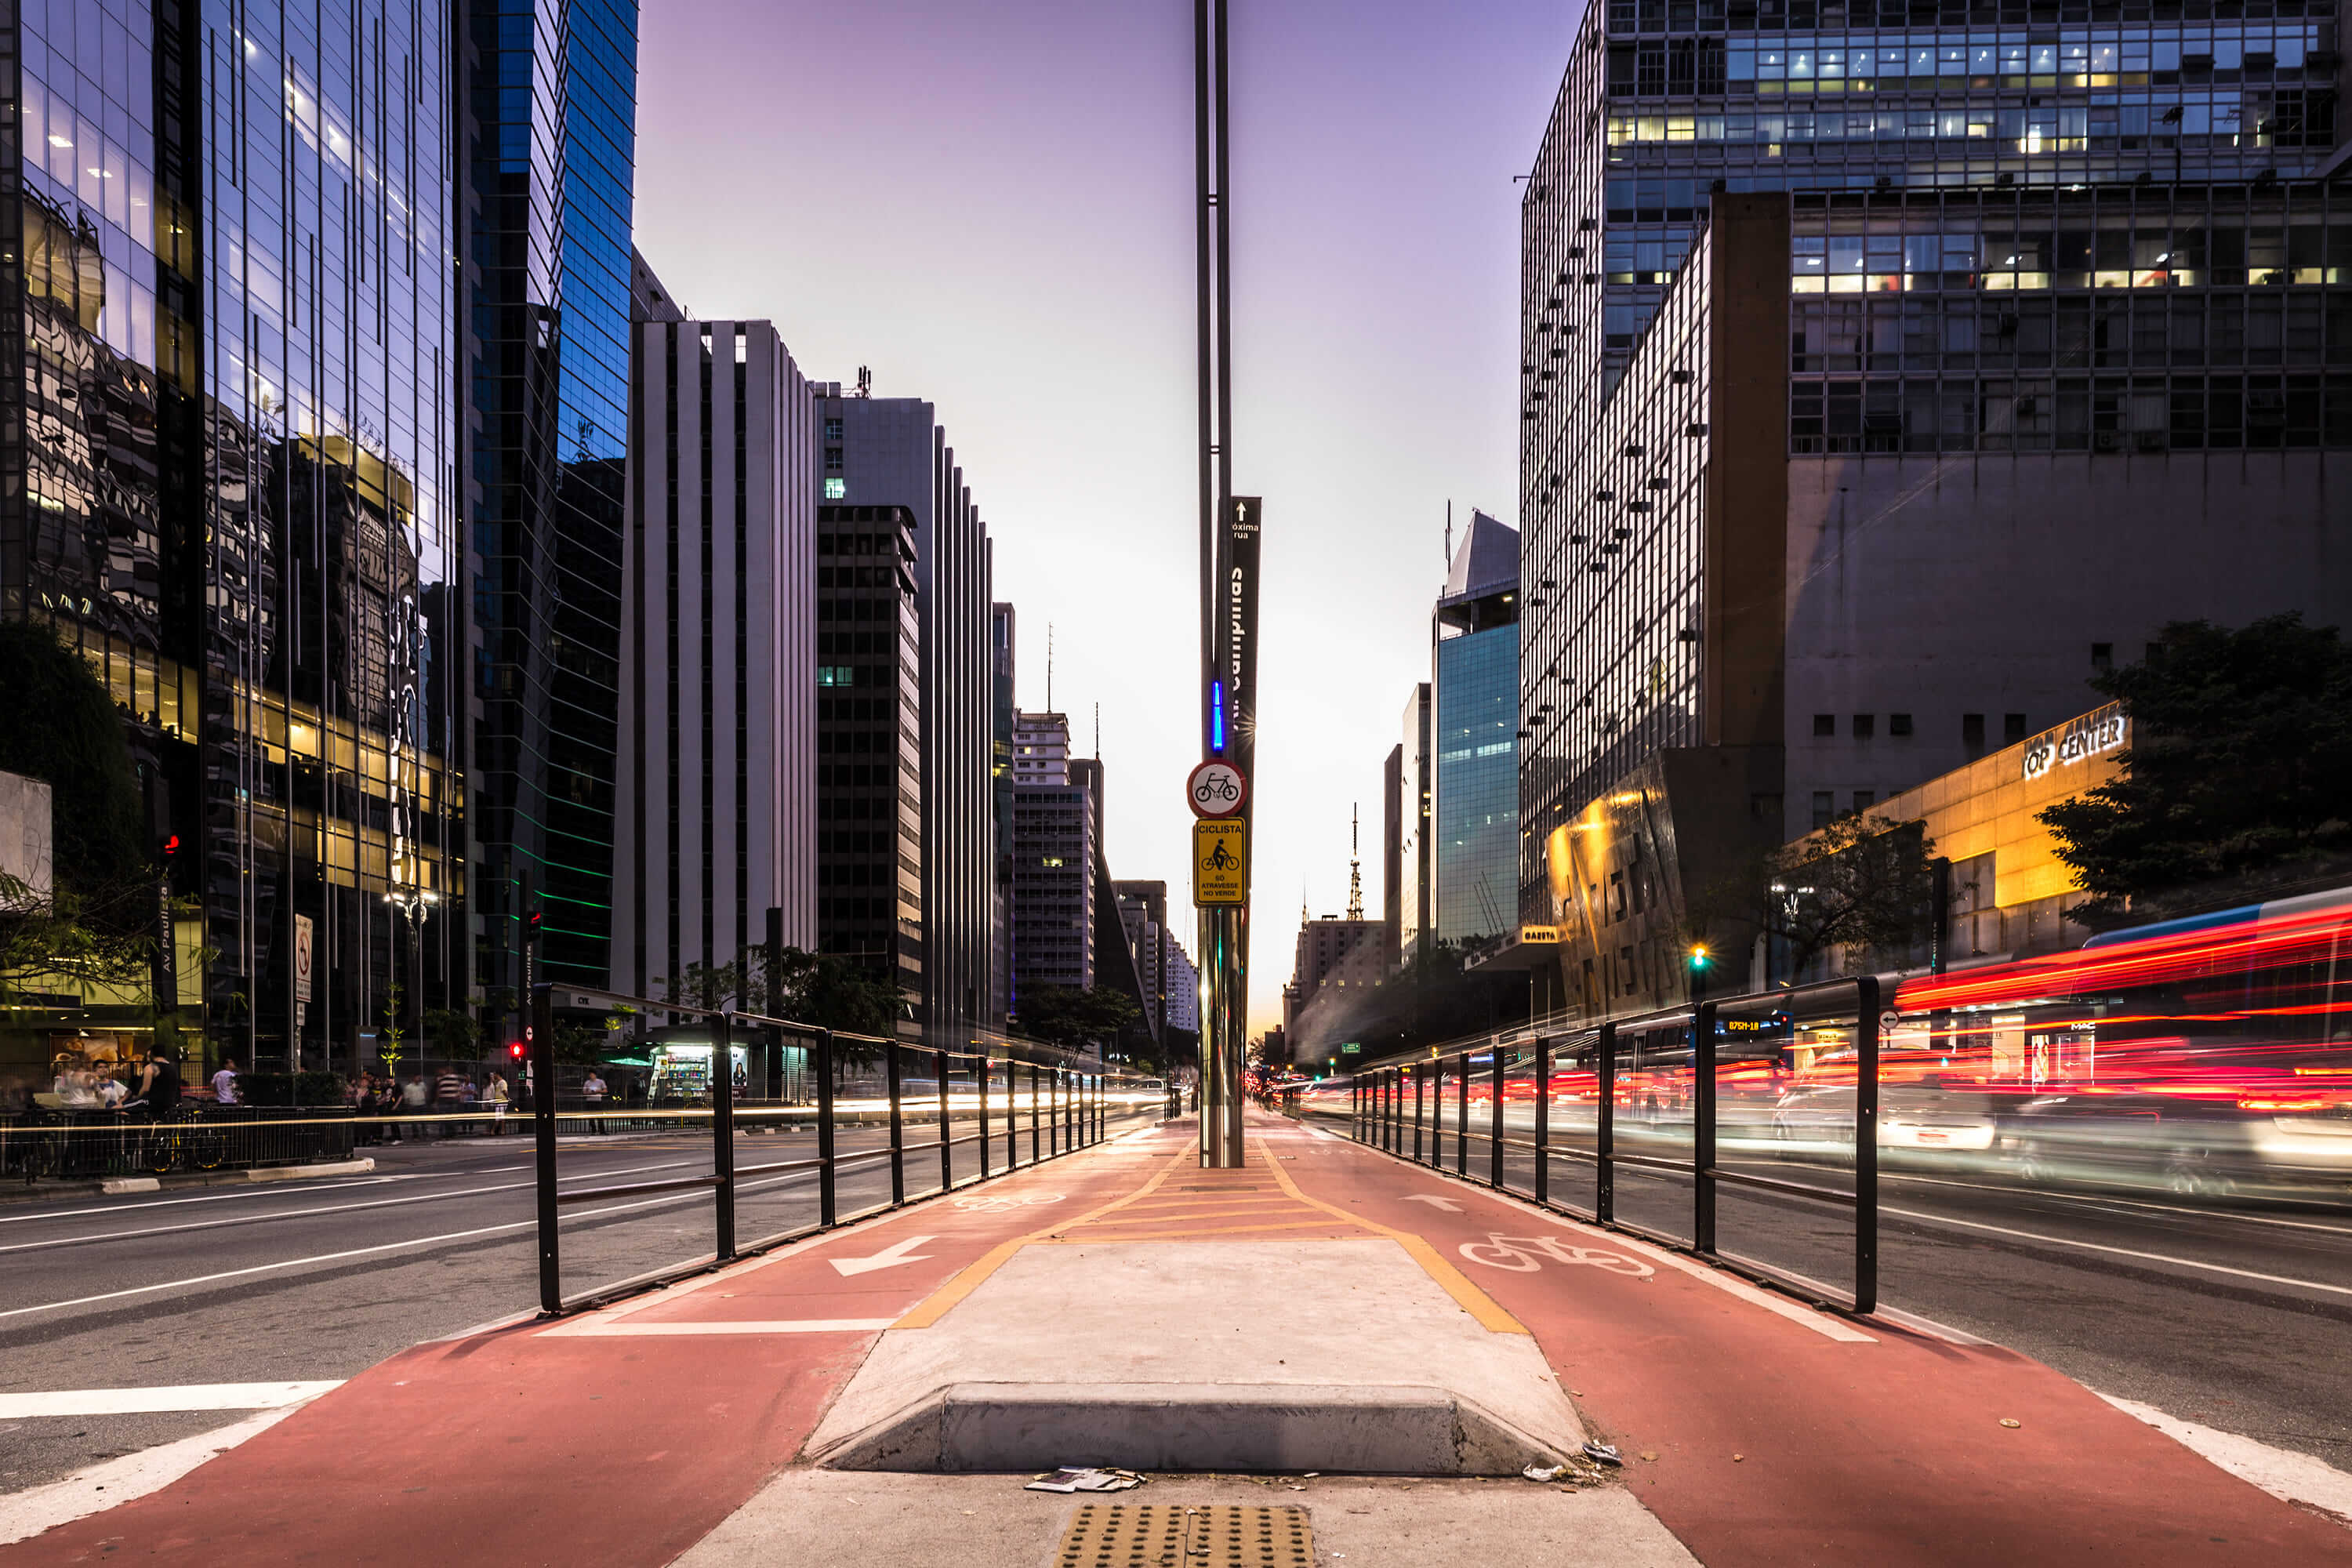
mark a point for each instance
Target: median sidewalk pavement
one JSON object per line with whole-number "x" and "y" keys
{"x": 882, "y": 1392}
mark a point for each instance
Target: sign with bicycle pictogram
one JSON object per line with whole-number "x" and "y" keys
{"x": 1525, "y": 1255}
{"x": 1221, "y": 861}
{"x": 1216, "y": 789}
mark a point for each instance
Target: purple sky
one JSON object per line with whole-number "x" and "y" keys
{"x": 990, "y": 204}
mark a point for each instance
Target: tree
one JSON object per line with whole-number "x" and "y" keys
{"x": 705, "y": 985}
{"x": 1062, "y": 1015}
{"x": 1864, "y": 883}
{"x": 2238, "y": 778}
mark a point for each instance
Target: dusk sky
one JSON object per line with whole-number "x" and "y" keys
{"x": 990, "y": 204}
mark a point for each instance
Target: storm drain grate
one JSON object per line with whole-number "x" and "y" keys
{"x": 1161, "y": 1535}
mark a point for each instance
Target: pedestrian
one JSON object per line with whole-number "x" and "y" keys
{"x": 592, "y": 1090}
{"x": 498, "y": 1098}
{"x": 449, "y": 1096}
{"x": 158, "y": 1091}
{"x": 224, "y": 1082}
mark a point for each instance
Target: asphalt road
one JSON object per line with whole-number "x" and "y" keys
{"x": 2236, "y": 1314}
{"x": 320, "y": 1279}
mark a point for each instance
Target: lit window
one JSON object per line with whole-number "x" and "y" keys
{"x": 835, "y": 488}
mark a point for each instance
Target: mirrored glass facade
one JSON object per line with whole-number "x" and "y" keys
{"x": 550, "y": 90}
{"x": 227, "y": 470}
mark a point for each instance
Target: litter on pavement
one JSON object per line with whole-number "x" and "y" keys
{"x": 1086, "y": 1481}
{"x": 1544, "y": 1472}
{"x": 1603, "y": 1453}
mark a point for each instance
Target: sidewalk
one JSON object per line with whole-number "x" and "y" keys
{"x": 631, "y": 1435}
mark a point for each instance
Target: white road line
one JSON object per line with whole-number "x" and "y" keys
{"x": 207, "y": 1198}
{"x": 143, "y": 1401}
{"x": 306, "y": 1213}
{"x": 2120, "y": 1251}
{"x": 335, "y": 1257}
{"x": 2116, "y": 1201}
{"x": 126, "y": 1479}
{"x": 592, "y": 1328}
{"x": 2285, "y": 1474}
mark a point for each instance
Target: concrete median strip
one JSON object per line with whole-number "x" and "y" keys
{"x": 117, "y": 1186}
{"x": 2285, "y": 1474}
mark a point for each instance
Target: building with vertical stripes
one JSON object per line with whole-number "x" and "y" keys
{"x": 716, "y": 802}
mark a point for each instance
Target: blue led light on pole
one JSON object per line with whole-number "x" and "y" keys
{"x": 1217, "y": 717}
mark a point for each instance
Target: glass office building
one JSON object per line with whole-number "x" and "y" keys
{"x": 1475, "y": 813}
{"x": 551, "y": 141}
{"x": 227, "y": 475}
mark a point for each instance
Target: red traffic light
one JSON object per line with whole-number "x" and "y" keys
{"x": 514, "y": 1050}
{"x": 170, "y": 846}
{"x": 531, "y": 925}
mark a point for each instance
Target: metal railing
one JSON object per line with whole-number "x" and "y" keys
{"x": 195, "y": 1136}
{"x": 1068, "y": 1109}
{"x": 1399, "y": 1108}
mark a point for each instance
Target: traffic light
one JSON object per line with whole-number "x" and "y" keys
{"x": 1699, "y": 957}
{"x": 171, "y": 848}
{"x": 514, "y": 1050}
{"x": 531, "y": 925}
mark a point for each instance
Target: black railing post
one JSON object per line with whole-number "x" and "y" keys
{"x": 827, "y": 1197}
{"x": 1543, "y": 1119}
{"x": 1494, "y": 1155}
{"x": 542, "y": 1126}
{"x": 1604, "y": 1129}
{"x": 897, "y": 1126}
{"x": 1702, "y": 1128}
{"x": 1420, "y": 1092}
{"x": 1012, "y": 1116}
{"x": 1865, "y": 1144}
{"x": 1461, "y": 1115}
{"x": 1356, "y": 1108}
{"x": 1034, "y": 1118}
{"x": 980, "y": 1076}
{"x": 1437, "y": 1113}
{"x": 722, "y": 1131}
{"x": 947, "y": 1148}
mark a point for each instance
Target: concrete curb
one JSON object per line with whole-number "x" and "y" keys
{"x": 1373, "y": 1429}
{"x": 117, "y": 1186}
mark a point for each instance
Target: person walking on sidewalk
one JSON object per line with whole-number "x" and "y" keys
{"x": 449, "y": 1097}
{"x": 498, "y": 1098}
{"x": 592, "y": 1089}
{"x": 224, "y": 1082}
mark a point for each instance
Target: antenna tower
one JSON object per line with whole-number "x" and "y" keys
{"x": 1355, "y": 865}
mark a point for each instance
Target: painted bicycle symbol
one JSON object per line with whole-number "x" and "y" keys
{"x": 1523, "y": 1255}
{"x": 1004, "y": 1204}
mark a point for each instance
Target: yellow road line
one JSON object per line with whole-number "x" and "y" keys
{"x": 1191, "y": 1234}
{"x": 1473, "y": 1300}
{"x": 938, "y": 1304}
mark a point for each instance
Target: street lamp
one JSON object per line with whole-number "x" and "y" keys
{"x": 413, "y": 902}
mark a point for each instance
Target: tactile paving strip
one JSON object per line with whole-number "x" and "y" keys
{"x": 1160, "y": 1535}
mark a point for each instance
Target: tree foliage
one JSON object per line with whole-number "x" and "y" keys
{"x": 1865, "y": 884}
{"x": 1063, "y": 1016}
{"x": 2239, "y": 772}
{"x": 821, "y": 989}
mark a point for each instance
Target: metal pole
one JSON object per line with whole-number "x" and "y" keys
{"x": 898, "y": 1128}
{"x": 1604, "y": 1165}
{"x": 542, "y": 1126}
{"x": 1865, "y": 1145}
{"x": 1494, "y": 1140}
{"x": 1702, "y": 1128}
{"x": 946, "y": 1148}
{"x": 1033, "y": 1113}
{"x": 1437, "y": 1113}
{"x": 1462, "y": 1117}
{"x": 827, "y": 1198}
{"x": 1543, "y": 1119}
{"x": 722, "y": 1131}
{"x": 1012, "y": 1118}
{"x": 1419, "y": 1086}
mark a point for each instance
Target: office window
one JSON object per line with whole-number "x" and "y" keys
{"x": 1898, "y": 723}
{"x": 1972, "y": 733}
{"x": 1824, "y": 723}
{"x": 1863, "y": 799}
{"x": 835, "y": 488}
{"x": 1824, "y": 807}
{"x": 2012, "y": 729}
{"x": 1864, "y": 726}
{"x": 2102, "y": 656}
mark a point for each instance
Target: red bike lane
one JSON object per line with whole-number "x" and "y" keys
{"x": 1782, "y": 1435}
{"x": 619, "y": 1436}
